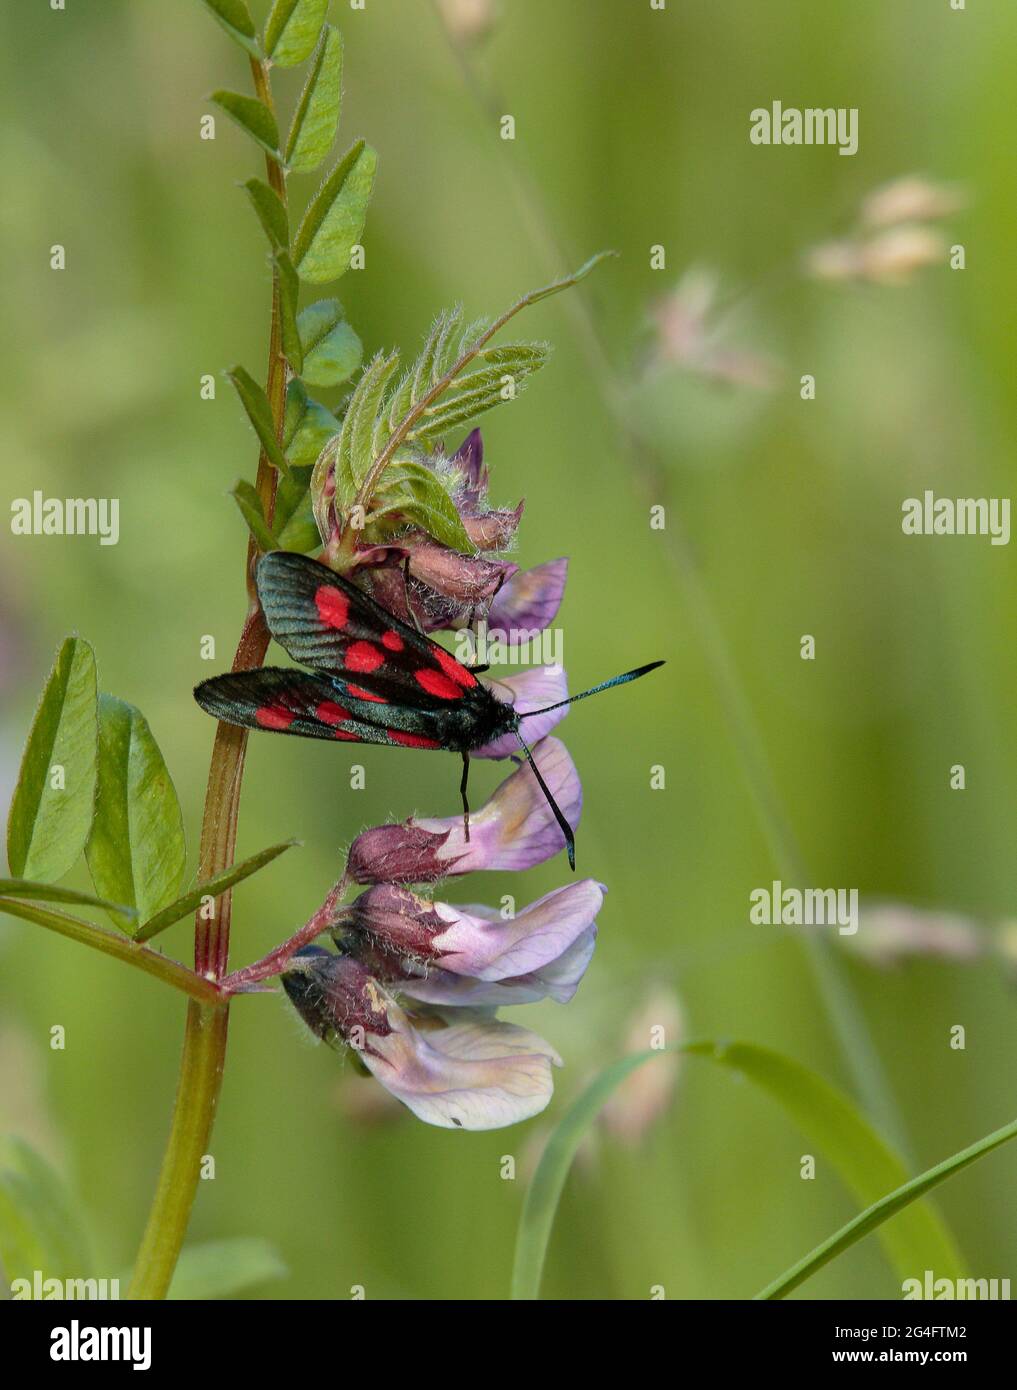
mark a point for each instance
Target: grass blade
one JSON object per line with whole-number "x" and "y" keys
{"x": 918, "y": 1240}
{"x": 872, "y": 1217}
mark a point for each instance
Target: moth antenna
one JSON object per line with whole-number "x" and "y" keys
{"x": 596, "y": 689}
{"x": 566, "y": 829}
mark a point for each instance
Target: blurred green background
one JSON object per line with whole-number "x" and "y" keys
{"x": 632, "y": 126}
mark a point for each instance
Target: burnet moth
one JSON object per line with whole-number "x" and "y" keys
{"x": 380, "y": 681}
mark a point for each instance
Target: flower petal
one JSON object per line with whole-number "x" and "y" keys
{"x": 500, "y": 949}
{"x": 529, "y": 690}
{"x": 516, "y": 828}
{"x": 476, "y": 1075}
{"x": 558, "y": 981}
{"x": 528, "y": 601}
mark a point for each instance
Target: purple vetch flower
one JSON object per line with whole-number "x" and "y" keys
{"x": 528, "y": 601}
{"x": 474, "y": 1072}
{"x": 515, "y": 829}
{"x": 415, "y": 983}
{"x": 443, "y": 954}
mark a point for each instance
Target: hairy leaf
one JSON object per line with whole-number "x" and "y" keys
{"x": 259, "y": 412}
{"x": 211, "y": 888}
{"x": 355, "y": 448}
{"x": 271, "y": 212}
{"x": 292, "y": 29}
{"x": 334, "y": 219}
{"x": 332, "y": 351}
{"x": 316, "y": 118}
{"x": 235, "y": 18}
{"x": 416, "y": 495}
{"x": 472, "y": 392}
{"x": 48, "y": 824}
{"x": 251, "y": 116}
{"x": 136, "y": 849}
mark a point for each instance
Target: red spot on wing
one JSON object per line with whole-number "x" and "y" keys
{"x": 437, "y": 684}
{"x": 346, "y": 734}
{"x": 455, "y": 670}
{"x": 333, "y": 606}
{"x": 331, "y": 713}
{"x": 392, "y": 641}
{"x": 362, "y": 656}
{"x": 274, "y": 717}
{"x": 412, "y": 740}
{"x": 362, "y": 694}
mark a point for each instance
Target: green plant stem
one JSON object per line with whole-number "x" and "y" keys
{"x": 873, "y": 1216}
{"x": 205, "y": 1036}
{"x": 197, "y": 1095}
{"x": 842, "y": 1009}
{"x": 171, "y": 972}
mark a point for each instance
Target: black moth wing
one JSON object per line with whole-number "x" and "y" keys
{"x": 377, "y": 679}
{"x": 327, "y": 623}
{"x": 286, "y": 701}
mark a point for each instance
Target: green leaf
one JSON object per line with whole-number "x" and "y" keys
{"x": 235, "y": 18}
{"x": 259, "y": 412}
{"x": 471, "y": 393}
{"x": 223, "y": 1268}
{"x": 360, "y": 422}
{"x": 567, "y": 281}
{"x": 332, "y": 351}
{"x": 271, "y": 213}
{"x": 136, "y": 850}
{"x": 251, "y": 116}
{"x": 307, "y": 428}
{"x": 41, "y": 1227}
{"x": 301, "y": 531}
{"x": 290, "y": 498}
{"x": 292, "y": 29}
{"x": 874, "y": 1216}
{"x": 26, "y": 888}
{"x": 334, "y": 219}
{"x": 289, "y": 294}
{"x": 48, "y": 826}
{"x": 918, "y": 1240}
{"x": 866, "y": 1165}
{"x": 316, "y": 118}
{"x": 212, "y": 887}
{"x": 246, "y": 497}
{"x": 171, "y": 972}
{"x": 416, "y": 494}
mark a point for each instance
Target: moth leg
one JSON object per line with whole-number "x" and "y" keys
{"x": 406, "y": 590}
{"x": 462, "y": 793}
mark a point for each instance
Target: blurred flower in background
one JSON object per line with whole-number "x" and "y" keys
{"x": 890, "y": 933}
{"x": 691, "y": 332}
{"x": 643, "y": 1098}
{"x": 468, "y": 21}
{"x": 894, "y": 239}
